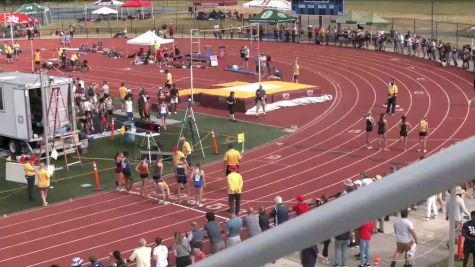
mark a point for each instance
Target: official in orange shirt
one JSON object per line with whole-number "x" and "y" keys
{"x": 231, "y": 158}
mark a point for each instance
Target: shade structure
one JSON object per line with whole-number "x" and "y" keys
{"x": 269, "y": 4}
{"x": 149, "y": 38}
{"x": 468, "y": 32}
{"x": 137, "y": 3}
{"x": 104, "y": 11}
{"x": 108, "y": 3}
{"x": 14, "y": 18}
{"x": 350, "y": 18}
{"x": 34, "y": 10}
{"x": 215, "y": 2}
{"x": 271, "y": 16}
{"x": 375, "y": 19}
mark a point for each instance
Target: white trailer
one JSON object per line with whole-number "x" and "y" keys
{"x": 21, "y": 109}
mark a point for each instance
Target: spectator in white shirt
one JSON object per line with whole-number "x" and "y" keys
{"x": 105, "y": 88}
{"x": 142, "y": 254}
{"x": 160, "y": 253}
{"x": 460, "y": 211}
{"x": 405, "y": 237}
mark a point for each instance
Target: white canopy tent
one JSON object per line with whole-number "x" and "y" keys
{"x": 105, "y": 11}
{"x": 283, "y": 5}
{"x": 105, "y": 3}
{"x": 108, "y": 3}
{"x": 149, "y": 38}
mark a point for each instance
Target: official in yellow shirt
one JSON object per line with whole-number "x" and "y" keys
{"x": 16, "y": 48}
{"x": 37, "y": 59}
{"x": 169, "y": 77}
{"x": 235, "y": 184}
{"x": 74, "y": 58}
{"x": 123, "y": 91}
{"x": 30, "y": 176}
{"x": 43, "y": 183}
{"x": 231, "y": 158}
{"x": 392, "y": 93}
{"x": 177, "y": 155}
{"x": 187, "y": 151}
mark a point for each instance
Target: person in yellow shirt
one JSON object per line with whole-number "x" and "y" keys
{"x": 74, "y": 58}
{"x": 30, "y": 176}
{"x": 187, "y": 150}
{"x": 177, "y": 155}
{"x": 37, "y": 59}
{"x": 43, "y": 183}
{"x": 123, "y": 92}
{"x": 423, "y": 133}
{"x": 9, "y": 53}
{"x": 392, "y": 93}
{"x": 16, "y": 49}
{"x": 295, "y": 77}
{"x": 231, "y": 158}
{"x": 235, "y": 184}
{"x": 169, "y": 77}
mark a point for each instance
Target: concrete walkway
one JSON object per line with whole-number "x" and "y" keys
{"x": 432, "y": 247}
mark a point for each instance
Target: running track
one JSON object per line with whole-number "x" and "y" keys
{"x": 313, "y": 161}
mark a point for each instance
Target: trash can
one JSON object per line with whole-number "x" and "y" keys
{"x": 130, "y": 131}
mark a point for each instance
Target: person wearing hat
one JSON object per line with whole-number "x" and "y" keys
{"x": 235, "y": 184}
{"x": 260, "y": 100}
{"x": 94, "y": 262}
{"x": 76, "y": 262}
{"x": 301, "y": 207}
{"x": 348, "y": 186}
{"x": 30, "y": 173}
{"x": 231, "y": 158}
{"x": 460, "y": 210}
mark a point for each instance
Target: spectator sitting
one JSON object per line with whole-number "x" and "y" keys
{"x": 280, "y": 212}
{"x": 277, "y": 75}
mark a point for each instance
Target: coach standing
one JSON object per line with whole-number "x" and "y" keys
{"x": 231, "y": 159}
{"x": 260, "y": 100}
{"x": 392, "y": 93}
{"x": 234, "y": 190}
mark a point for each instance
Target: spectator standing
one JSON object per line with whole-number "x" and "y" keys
{"x": 233, "y": 229}
{"x": 116, "y": 260}
{"x": 260, "y": 100}
{"x": 405, "y": 237}
{"x": 30, "y": 173}
{"x": 43, "y": 183}
{"x": 182, "y": 250}
{"x": 195, "y": 237}
{"x": 235, "y": 184}
{"x": 94, "y": 262}
{"x": 365, "y": 232}
{"x": 142, "y": 254}
{"x": 213, "y": 231}
{"x": 308, "y": 256}
{"x": 104, "y": 88}
{"x": 160, "y": 253}
{"x": 431, "y": 207}
{"x": 129, "y": 108}
{"x": 468, "y": 232}
{"x": 460, "y": 210}
{"x": 251, "y": 222}
{"x": 341, "y": 245}
{"x": 280, "y": 212}
{"x": 231, "y": 158}
{"x": 263, "y": 219}
{"x": 301, "y": 207}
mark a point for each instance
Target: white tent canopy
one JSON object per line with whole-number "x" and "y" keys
{"x": 108, "y": 3}
{"x": 149, "y": 38}
{"x": 104, "y": 11}
{"x": 269, "y": 4}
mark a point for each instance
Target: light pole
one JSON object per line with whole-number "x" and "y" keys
{"x": 432, "y": 20}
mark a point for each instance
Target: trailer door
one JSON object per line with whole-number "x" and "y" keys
{"x": 21, "y": 122}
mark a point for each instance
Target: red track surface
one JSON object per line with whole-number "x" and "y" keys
{"x": 312, "y": 161}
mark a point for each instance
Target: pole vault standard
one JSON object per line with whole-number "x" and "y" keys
{"x": 189, "y": 121}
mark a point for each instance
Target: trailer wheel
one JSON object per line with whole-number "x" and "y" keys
{"x": 14, "y": 147}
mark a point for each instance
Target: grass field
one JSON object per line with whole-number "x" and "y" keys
{"x": 67, "y": 184}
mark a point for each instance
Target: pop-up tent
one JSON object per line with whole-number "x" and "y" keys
{"x": 149, "y": 38}
{"x": 105, "y": 11}
{"x": 468, "y": 32}
{"x": 105, "y": 3}
{"x": 108, "y": 3}
{"x": 269, "y": 4}
{"x": 350, "y": 18}
{"x": 36, "y": 11}
{"x": 213, "y": 3}
{"x": 139, "y": 4}
{"x": 14, "y": 18}
{"x": 271, "y": 16}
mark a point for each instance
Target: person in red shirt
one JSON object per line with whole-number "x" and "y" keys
{"x": 197, "y": 253}
{"x": 366, "y": 230}
{"x": 301, "y": 207}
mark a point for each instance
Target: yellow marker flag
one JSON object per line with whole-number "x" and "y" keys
{"x": 241, "y": 138}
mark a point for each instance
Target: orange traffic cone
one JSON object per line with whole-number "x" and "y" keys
{"x": 377, "y": 259}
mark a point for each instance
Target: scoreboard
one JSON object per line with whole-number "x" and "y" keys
{"x": 318, "y": 7}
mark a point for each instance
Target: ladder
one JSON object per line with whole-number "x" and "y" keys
{"x": 59, "y": 125}
{"x": 195, "y": 42}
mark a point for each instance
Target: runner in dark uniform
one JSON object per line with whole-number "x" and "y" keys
{"x": 181, "y": 178}
{"x": 157, "y": 173}
{"x": 118, "y": 170}
{"x": 231, "y": 101}
{"x": 403, "y": 131}
{"x": 382, "y": 128}
{"x": 369, "y": 128}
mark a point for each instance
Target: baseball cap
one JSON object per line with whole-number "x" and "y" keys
{"x": 300, "y": 198}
